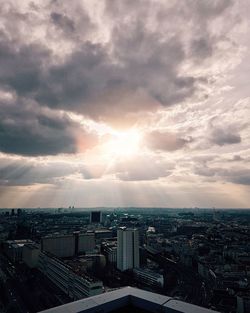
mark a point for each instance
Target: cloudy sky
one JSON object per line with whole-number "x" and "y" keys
{"x": 124, "y": 103}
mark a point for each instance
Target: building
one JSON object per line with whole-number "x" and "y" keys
{"x": 109, "y": 249}
{"x": 243, "y": 304}
{"x": 70, "y": 279}
{"x": 86, "y": 242}
{"x": 126, "y": 300}
{"x": 64, "y": 246}
{"x": 96, "y": 217}
{"x": 31, "y": 255}
{"x": 101, "y": 234}
{"x": 148, "y": 277}
{"x": 127, "y": 248}
{"x": 60, "y": 245}
{"x": 14, "y": 249}
{"x": 19, "y": 212}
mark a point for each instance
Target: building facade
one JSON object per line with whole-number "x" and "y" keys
{"x": 14, "y": 249}
{"x": 148, "y": 277}
{"x": 127, "y": 248}
{"x": 64, "y": 246}
{"x": 31, "y": 255}
{"x": 86, "y": 242}
{"x": 75, "y": 285}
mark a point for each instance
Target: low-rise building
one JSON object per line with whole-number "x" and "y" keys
{"x": 60, "y": 245}
{"x": 72, "y": 281}
{"x": 14, "y": 249}
{"x": 64, "y": 246}
{"x": 86, "y": 242}
{"x": 148, "y": 277}
{"x": 109, "y": 249}
{"x": 31, "y": 255}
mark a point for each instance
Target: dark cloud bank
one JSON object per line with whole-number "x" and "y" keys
{"x": 99, "y": 80}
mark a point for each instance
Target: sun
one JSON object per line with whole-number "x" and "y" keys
{"x": 123, "y": 144}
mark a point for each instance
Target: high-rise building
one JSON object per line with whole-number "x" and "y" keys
{"x": 96, "y": 217}
{"x": 127, "y": 248}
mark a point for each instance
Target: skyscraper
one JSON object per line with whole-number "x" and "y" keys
{"x": 127, "y": 248}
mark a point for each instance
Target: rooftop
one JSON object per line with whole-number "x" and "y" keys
{"x": 131, "y": 300}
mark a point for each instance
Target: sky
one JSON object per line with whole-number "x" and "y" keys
{"x": 124, "y": 103}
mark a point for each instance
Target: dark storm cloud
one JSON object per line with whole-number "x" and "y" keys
{"x": 222, "y": 137}
{"x": 29, "y": 137}
{"x": 243, "y": 179}
{"x": 97, "y": 78}
{"x": 138, "y": 68}
{"x": 63, "y": 22}
{"x": 202, "y": 48}
{"x": 142, "y": 169}
{"x": 165, "y": 141}
{"x": 211, "y": 8}
{"x": 25, "y": 129}
{"x": 237, "y": 175}
{"x": 21, "y": 172}
{"x": 21, "y": 66}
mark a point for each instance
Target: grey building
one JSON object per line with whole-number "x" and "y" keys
{"x": 127, "y": 248}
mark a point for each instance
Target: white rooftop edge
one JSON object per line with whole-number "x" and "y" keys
{"x": 113, "y": 300}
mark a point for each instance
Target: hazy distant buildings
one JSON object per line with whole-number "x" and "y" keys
{"x": 19, "y": 212}
{"x": 127, "y": 248}
{"x": 96, "y": 217}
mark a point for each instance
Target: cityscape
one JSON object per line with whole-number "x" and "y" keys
{"x": 51, "y": 257}
{"x": 124, "y": 156}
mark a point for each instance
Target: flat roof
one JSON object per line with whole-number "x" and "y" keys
{"x": 137, "y": 300}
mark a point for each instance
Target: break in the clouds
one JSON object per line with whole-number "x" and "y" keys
{"x": 72, "y": 76}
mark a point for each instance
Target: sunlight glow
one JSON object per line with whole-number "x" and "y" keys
{"x": 123, "y": 144}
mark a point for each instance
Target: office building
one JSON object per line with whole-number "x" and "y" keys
{"x": 127, "y": 248}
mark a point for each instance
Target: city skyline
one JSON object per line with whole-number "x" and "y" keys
{"x": 122, "y": 103}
